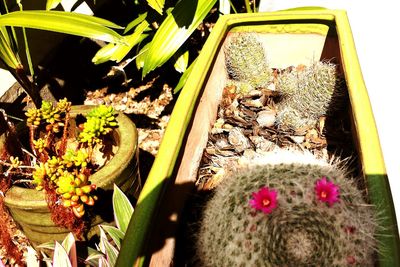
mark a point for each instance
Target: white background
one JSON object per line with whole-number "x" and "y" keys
{"x": 376, "y": 31}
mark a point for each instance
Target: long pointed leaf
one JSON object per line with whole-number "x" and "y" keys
{"x": 115, "y": 234}
{"x": 110, "y": 251}
{"x": 69, "y": 242}
{"x": 50, "y": 4}
{"x": 63, "y": 22}
{"x": 141, "y": 56}
{"x": 181, "y": 62}
{"x": 60, "y": 258}
{"x": 157, "y": 5}
{"x": 174, "y": 31}
{"x": 184, "y": 77}
{"x": 7, "y": 54}
{"x": 117, "y": 52}
{"x": 48, "y": 245}
{"x": 70, "y": 247}
{"x": 135, "y": 22}
{"x": 94, "y": 257}
{"x": 123, "y": 209}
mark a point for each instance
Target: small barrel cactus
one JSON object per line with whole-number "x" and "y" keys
{"x": 301, "y": 213}
{"x": 308, "y": 92}
{"x": 245, "y": 60}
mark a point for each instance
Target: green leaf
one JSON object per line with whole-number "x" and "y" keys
{"x": 63, "y": 22}
{"x": 123, "y": 209}
{"x": 135, "y": 22}
{"x": 68, "y": 242}
{"x": 117, "y": 52}
{"x": 140, "y": 57}
{"x": 106, "y": 247}
{"x": 115, "y": 234}
{"x": 50, "y": 4}
{"x": 70, "y": 247}
{"x": 60, "y": 258}
{"x": 181, "y": 62}
{"x": 184, "y": 77}
{"x": 7, "y": 54}
{"x": 48, "y": 245}
{"x": 174, "y": 31}
{"x": 157, "y": 5}
{"x": 94, "y": 257}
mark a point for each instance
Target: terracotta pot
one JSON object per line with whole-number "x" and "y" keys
{"x": 292, "y": 37}
{"x": 29, "y": 208}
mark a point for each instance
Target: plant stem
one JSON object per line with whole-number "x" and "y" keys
{"x": 31, "y": 138}
{"x": 27, "y": 51}
{"x": 28, "y": 86}
{"x": 248, "y": 7}
{"x": 233, "y": 7}
{"x": 65, "y": 133}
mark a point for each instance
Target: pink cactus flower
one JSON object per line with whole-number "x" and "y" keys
{"x": 326, "y": 191}
{"x": 264, "y": 200}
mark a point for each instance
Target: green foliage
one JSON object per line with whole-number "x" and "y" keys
{"x": 158, "y": 5}
{"x": 300, "y": 231}
{"x": 123, "y": 209}
{"x": 57, "y": 21}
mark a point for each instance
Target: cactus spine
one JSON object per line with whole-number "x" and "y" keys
{"x": 300, "y": 231}
{"x": 308, "y": 93}
{"x": 245, "y": 60}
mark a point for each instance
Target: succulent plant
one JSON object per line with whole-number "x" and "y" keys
{"x": 78, "y": 158}
{"x": 301, "y": 213}
{"x": 308, "y": 92}
{"x": 100, "y": 121}
{"x": 50, "y": 114}
{"x": 76, "y": 191}
{"x": 67, "y": 170}
{"x": 245, "y": 60}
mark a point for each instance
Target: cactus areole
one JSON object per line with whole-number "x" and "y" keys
{"x": 72, "y": 188}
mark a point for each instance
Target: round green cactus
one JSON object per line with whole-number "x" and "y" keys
{"x": 316, "y": 217}
{"x": 308, "y": 93}
{"x": 246, "y": 61}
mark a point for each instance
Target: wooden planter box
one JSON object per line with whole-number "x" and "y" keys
{"x": 292, "y": 37}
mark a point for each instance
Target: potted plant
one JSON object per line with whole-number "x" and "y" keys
{"x": 292, "y": 40}
{"x": 73, "y": 163}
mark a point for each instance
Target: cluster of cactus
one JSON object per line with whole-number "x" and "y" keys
{"x": 69, "y": 176}
{"x": 246, "y": 62}
{"x": 298, "y": 230}
{"x": 100, "y": 121}
{"x": 307, "y": 93}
